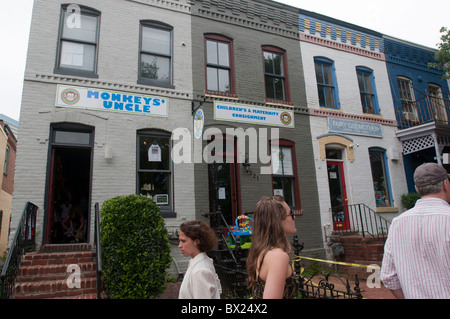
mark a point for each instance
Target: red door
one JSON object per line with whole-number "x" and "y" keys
{"x": 51, "y": 200}
{"x": 338, "y": 195}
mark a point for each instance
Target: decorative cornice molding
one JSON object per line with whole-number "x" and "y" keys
{"x": 95, "y": 83}
{"x": 250, "y": 15}
{"x": 342, "y": 47}
{"x": 355, "y": 117}
{"x": 167, "y": 4}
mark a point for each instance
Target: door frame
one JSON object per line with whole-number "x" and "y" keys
{"x": 49, "y": 185}
{"x": 345, "y": 225}
{"x": 229, "y": 159}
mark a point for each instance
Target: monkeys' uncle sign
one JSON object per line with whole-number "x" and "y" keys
{"x": 89, "y": 98}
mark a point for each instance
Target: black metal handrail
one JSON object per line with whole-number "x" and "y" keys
{"x": 98, "y": 250}
{"x": 365, "y": 221}
{"x": 24, "y": 239}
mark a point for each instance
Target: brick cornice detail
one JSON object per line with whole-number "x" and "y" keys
{"x": 354, "y": 117}
{"x": 341, "y": 46}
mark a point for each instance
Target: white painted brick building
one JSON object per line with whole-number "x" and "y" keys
{"x": 348, "y": 135}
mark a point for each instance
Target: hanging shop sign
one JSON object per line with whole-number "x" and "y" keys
{"x": 97, "y": 99}
{"x": 253, "y": 114}
{"x": 355, "y": 127}
{"x": 199, "y": 121}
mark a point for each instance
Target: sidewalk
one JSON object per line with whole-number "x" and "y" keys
{"x": 375, "y": 293}
{"x": 366, "y": 292}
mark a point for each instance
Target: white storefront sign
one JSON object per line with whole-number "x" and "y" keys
{"x": 253, "y": 114}
{"x": 97, "y": 99}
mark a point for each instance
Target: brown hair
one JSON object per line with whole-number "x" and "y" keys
{"x": 268, "y": 233}
{"x": 200, "y": 230}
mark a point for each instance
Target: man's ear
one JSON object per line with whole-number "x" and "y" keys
{"x": 446, "y": 185}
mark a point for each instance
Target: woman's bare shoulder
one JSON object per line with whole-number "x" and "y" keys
{"x": 277, "y": 253}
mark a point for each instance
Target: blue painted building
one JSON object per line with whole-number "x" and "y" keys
{"x": 421, "y": 102}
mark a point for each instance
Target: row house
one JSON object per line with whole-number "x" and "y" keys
{"x": 106, "y": 83}
{"x": 8, "y": 148}
{"x": 127, "y": 97}
{"x": 207, "y": 105}
{"x": 421, "y": 103}
{"x": 248, "y": 83}
{"x": 357, "y": 155}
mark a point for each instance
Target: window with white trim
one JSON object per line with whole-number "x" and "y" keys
{"x": 367, "y": 91}
{"x": 326, "y": 83}
{"x": 219, "y": 58}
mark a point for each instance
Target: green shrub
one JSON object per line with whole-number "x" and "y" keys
{"x": 135, "y": 248}
{"x": 409, "y": 200}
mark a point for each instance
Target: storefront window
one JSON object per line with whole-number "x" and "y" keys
{"x": 380, "y": 173}
{"x": 154, "y": 168}
{"x": 283, "y": 170}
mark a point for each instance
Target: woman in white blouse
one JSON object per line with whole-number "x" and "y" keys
{"x": 200, "y": 280}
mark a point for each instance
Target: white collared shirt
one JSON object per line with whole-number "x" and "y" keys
{"x": 200, "y": 280}
{"x": 417, "y": 252}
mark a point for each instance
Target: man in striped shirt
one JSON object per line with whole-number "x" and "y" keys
{"x": 416, "y": 262}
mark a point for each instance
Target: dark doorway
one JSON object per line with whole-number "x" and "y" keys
{"x": 69, "y": 188}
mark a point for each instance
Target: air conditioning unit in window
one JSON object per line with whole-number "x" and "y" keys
{"x": 410, "y": 116}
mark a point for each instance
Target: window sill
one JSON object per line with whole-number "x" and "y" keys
{"x": 73, "y": 72}
{"x": 221, "y": 95}
{"x": 155, "y": 83}
{"x": 376, "y": 116}
{"x": 279, "y": 103}
{"x": 168, "y": 214}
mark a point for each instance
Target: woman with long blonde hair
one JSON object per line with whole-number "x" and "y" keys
{"x": 270, "y": 275}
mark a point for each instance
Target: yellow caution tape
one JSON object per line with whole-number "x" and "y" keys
{"x": 298, "y": 258}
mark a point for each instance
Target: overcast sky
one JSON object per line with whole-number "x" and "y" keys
{"x": 409, "y": 20}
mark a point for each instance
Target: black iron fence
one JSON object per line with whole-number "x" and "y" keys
{"x": 24, "y": 239}
{"x": 322, "y": 285}
{"x": 230, "y": 263}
